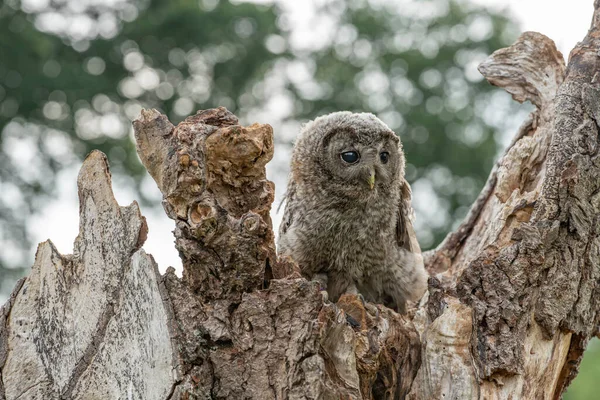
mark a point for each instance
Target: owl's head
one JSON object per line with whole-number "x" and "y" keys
{"x": 353, "y": 155}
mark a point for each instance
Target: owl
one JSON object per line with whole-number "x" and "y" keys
{"x": 347, "y": 217}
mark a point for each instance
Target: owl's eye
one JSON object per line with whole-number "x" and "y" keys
{"x": 350, "y": 157}
{"x": 384, "y": 156}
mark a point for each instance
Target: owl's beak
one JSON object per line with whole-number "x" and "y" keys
{"x": 372, "y": 179}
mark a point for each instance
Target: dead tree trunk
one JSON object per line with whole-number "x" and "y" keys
{"x": 513, "y": 298}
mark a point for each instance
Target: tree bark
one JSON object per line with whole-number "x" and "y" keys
{"x": 513, "y": 296}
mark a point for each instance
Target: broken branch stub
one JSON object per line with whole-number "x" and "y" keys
{"x": 501, "y": 263}
{"x": 83, "y": 326}
{"x": 211, "y": 172}
{"x": 523, "y": 264}
{"x": 531, "y": 69}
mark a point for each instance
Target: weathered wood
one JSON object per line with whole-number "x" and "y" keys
{"x": 513, "y": 298}
{"x": 92, "y": 324}
{"x": 524, "y": 266}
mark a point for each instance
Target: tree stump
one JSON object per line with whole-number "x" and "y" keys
{"x": 513, "y": 296}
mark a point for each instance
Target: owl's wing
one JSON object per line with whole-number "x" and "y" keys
{"x": 288, "y": 212}
{"x": 405, "y": 233}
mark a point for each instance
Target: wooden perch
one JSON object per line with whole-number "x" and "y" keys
{"x": 513, "y": 298}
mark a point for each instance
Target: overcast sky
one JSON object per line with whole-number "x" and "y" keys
{"x": 564, "y": 22}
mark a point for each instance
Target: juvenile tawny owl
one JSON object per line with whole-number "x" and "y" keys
{"x": 347, "y": 219}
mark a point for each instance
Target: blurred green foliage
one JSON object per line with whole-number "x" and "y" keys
{"x": 61, "y": 98}
{"x": 73, "y": 74}
{"x": 584, "y": 385}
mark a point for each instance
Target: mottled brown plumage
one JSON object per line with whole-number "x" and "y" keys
{"x": 347, "y": 219}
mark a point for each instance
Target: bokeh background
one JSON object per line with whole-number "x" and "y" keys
{"x": 75, "y": 73}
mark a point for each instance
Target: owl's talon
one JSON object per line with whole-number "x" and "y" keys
{"x": 324, "y": 295}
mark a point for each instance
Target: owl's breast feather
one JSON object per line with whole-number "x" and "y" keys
{"x": 352, "y": 240}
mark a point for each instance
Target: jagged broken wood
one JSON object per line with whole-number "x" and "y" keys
{"x": 513, "y": 298}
